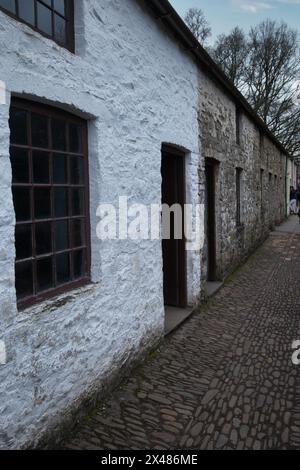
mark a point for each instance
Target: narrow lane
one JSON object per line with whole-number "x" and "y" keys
{"x": 225, "y": 379}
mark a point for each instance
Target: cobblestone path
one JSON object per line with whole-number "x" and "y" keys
{"x": 225, "y": 379}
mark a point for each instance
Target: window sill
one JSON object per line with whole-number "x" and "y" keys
{"x": 56, "y": 301}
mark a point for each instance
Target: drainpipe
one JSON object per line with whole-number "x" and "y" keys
{"x": 286, "y": 170}
{"x": 286, "y": 189}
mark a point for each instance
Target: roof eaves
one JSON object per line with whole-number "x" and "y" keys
{"x": 164, "y": 11}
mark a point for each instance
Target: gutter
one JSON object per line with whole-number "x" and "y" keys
{"x": 164, "y": 12}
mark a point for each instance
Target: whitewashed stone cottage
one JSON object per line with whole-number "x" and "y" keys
{"x": 102, "y": 99}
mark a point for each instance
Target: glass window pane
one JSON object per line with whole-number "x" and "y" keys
{"x": 23, "y": 241}
{"x": 59, "y": 5}
{"x": 26, "y": 11}
{"x": 9, "y": 5}
{"x": 79, "y": 264}
{"x": 78, "y": 233}
{"x": 54, "y": 165}
{"x": 44, "y": 19}
{"x": 59, "y": 29}
{"x": 75, "y": 135}
{"x": 40, "y": 162}
{"x": 44, "y": 274}
{"x": 58, "y": 134}
{"x": 63, "y": 268}
{"x": 60, "y": 168}
{"x": 43, "y": 238}
{"x": 61, "y": 202}
{"x": 39, "y": 128}
{"x": 76, "y": 165}
{"x": 24, "y": 280}
{"x": 18, "y": 126}
{"x": 62, "y": 235}
{"x": 77, "y": 202}
{"x": 19, "y": 165}
{"x": 21, "y": 198}
{"x": 42, "y": 206}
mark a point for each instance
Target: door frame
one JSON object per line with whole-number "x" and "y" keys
{"x": 179, "y": 157}
{"x": 210, "y": 219}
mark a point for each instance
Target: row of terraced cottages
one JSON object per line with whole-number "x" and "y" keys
{"x": 111, "y": 109}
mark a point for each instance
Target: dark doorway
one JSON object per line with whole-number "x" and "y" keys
{"x": 174, "y": 254}
{"x": 210, "y": 218}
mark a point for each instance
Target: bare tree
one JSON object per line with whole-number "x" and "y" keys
{"x": 266, "y": 72}
{"x": 273, "y": 67}
{"x": 198, "y": 24}
{"x": 286, "y": 126}
{"x": 272, "y": 70}
{"x": 230, "y": 52}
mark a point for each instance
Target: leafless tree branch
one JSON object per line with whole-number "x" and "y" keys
{"x": 196, "y": 21}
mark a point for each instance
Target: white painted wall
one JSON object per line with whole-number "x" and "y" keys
{"x": 138, "y": 89}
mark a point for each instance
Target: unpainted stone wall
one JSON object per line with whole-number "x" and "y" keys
{"x": 263, "y": 205}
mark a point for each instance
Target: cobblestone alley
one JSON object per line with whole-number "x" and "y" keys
{"x": 223, "y": 380}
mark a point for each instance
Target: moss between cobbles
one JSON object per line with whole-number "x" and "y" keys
{"x": 152, "y": 356}
{"x": 251, "y": 257}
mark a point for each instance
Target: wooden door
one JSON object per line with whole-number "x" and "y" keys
{"x": 174, "y": 254}
{"x": 210, "y": 219}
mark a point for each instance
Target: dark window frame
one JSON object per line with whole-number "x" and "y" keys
{"x": 69, "y": 17}
{"x": 238, "y": 177}
{"x": 54, "y": 113}
{"x": 261, "y": 143}
{"x": 262, "y": 189}
{"x": 238, "y": 119}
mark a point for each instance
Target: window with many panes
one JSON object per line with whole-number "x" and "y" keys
{"x": 52, "y": 18}
{"x": 50, "y": 192}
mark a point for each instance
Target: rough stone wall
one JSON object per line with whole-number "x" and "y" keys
{"x": 262, "y": 206}
{"x": 137, "y": 89}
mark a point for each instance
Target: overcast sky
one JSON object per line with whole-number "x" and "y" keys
{"x": 223, "y": 15}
